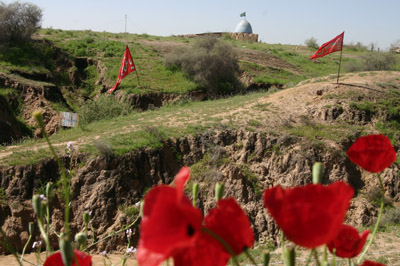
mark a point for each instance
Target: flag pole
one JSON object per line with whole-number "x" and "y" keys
{"x": 340, "y": 61}
{"x": 137, "y": 75}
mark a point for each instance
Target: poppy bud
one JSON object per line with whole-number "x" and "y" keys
{"x": 39, "y": 118}
{"x": 31, "y": 227}
{"x": 49, "y": 189}
{"x": 86, "y": 217}
{"x": 81, "y": 238}
{"x": 66, "y": 251}
{"x": 219, "y": 191}
{"x": 266, "y": 258}
{"x": 195, "y": 190}
{"x": 37, "y": 205}
{"x": 317, "y": 171}
{"x": 141, "y": 208}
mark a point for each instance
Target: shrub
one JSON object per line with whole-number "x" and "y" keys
{"x": 373, "y": 61}
{"x": 210, "y": 62}
{"x": 18, "y": 21}
{"x": 374, "y": 196}
{"x": 379, "y": 61}
{"x": 391, "y": 217}
{"x": 104, "y": 148}
{"x": 104, "y": 107}
{"x": 311, "y": 43}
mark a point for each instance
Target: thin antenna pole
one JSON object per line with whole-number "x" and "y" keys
{"x": 126, "y": 17}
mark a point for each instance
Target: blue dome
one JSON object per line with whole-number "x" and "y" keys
{"x": 244, "y": 26}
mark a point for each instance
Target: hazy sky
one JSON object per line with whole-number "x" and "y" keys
{"x": 276, "y": 21}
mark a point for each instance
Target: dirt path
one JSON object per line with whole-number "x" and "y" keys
{"x": 288, "y": 105}
{"x": 384, "y": 250}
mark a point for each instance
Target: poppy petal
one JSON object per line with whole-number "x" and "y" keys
{"x": 374, "y": 153}
{"x": 311, "y": 215}
{"x": 146, "y": 257}
{"x": 371, "y": 263}
{"x": 349, "y": 242}
{"x": 180, "y": 180}
{"x": 56, "y": 259}
{"x": 230, "y": 222}
{"x": 167, "y": 224}
{"x": 207, "y": 252}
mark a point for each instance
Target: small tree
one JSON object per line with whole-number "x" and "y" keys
{"x": 210, "y": 62}
{"x": 312, "y": 43}
{"x": 18, "y": 21}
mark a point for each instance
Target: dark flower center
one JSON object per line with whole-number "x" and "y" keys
{"x": 190, "y": 230}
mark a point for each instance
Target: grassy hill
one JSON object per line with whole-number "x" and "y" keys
{"x": 83, "y": 64}
{"x": 290, "y": 114}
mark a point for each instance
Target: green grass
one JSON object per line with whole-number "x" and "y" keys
{"x": 129, "y": 132}
{"x": 315, "y": 131}
{"x": 129, "y": 210}
{"x": 126, "y": 133}
{"x": 109, "y": 49}
{"x": 389, "y": 105}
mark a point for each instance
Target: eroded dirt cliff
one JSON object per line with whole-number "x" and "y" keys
{"x": 246, "y": 162}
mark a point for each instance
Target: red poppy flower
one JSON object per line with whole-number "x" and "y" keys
{"x": 374, "y": 153}
{"x": 169, "y": 221}
{"x": 230, "y": 222}
{"x": 311, "y": 215}
{"x": 207, "y": 252}
{"x": 56, "y": 260}
{"x": 372, "y": 263}
{"x": 348, "y": 243}
{"x": 171, "y": 227}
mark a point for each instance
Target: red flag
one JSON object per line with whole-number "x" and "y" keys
{"x": 127, "y": 67}
{"x": 336, "y": 44}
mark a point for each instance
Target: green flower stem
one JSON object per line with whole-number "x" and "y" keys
{"x": 377, "y": 221}
{"x": 47, "y": 218}
{"x": 28, "y": 262}
{"x": 325, "y": 258}
{"x": 125, "y": 254}
{"x": 113, "y": 234}
{"x": 334, "y": 257}
{"x": 290, "y": 254}
{"x": 45, "y": 236}
{"x": 266, "y": 258}
{"x": 246, "y": 251}
{"x": 26, "y": 245}
{"x": 6, "y": 243}
{"x": 222, "y": 242}
{"x": 283, "y": 248}
{"x": 309, "y": 258}
{"x": 195, "y": 191}
{"x": 39, "y": 119}
{"x": 315, "y": 253}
